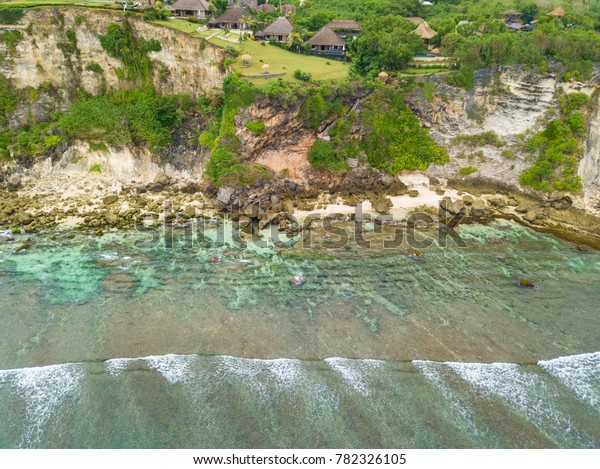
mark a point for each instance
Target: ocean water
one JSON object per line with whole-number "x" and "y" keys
{"x": 120, "y": 341}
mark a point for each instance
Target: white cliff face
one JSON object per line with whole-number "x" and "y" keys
{"x": 54, "y": 75}
{"x": 589, "y": 168}
{"x": 515, "y": 103}
{"x": 38, "y": 58}
{"x": 523, "y": 98}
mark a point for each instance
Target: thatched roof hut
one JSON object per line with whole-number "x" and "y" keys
{"x": 235, "y": 17}
{"x": 344, "y": 25}
{"x": 280, "y": 30}
{"x": 196, "y": 8}
{"x": 415, "y": 19}
{"x": 425, "y": 31}
{"x": 326, "y": 37}
{"x": 558, "y": 12}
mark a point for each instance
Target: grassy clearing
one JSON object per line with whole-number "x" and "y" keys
{"x": 283, "y": 61}
{"x": 179, "y": 25}
{"x": 411, "y": 72}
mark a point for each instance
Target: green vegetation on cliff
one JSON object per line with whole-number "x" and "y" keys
{"x": 121, "y": 42}
{"x": 394, "y": 138}
{"x": 557, "y": 149}
{"x": 11, "y": 15}
{"x": 8, "y": 100}
{"x": 123, "y": 118}
{"x": 226, "y": 165}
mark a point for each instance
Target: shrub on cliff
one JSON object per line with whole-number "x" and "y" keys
{"x": 322, "y": 155}
{"x": 11, "y": 39}
{"x": 225, "y": 165}
{"x": 479, "y": 140}
{"x": 11, "y": 15}
{"x": 121, "y": 42}
{"x": 240, "y": 175}
{"x": 465, "y": 171}
{"x": 8, "y": 99}
{"x": 257, "y": 128}
{"x": 319, "y": 106}
{"x": 96, "y": 119}
{"x": 572, "y": 101}
{"x": 463, "y": 78}
{"x": 558, "y": 147}
{"x": 140, "y": 118}
{"x": 394, "y": 138}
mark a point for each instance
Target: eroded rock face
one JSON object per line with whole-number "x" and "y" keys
{"x": 589, "y": 169}
{"x": 513, "y": 102}
{"x": 37, "y": 59}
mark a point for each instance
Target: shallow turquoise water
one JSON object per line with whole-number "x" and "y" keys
{"x": 441, "y": 352}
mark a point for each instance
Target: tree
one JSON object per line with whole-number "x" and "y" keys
{"x": 295, "y": 42}
{"x": 451, "y": 42}
{"x": 528, "y": 11}
{"x": 220, "y": 5}
{"x": 388, "y": 43}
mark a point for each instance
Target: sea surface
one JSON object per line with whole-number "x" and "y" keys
{"x": 123, "y": 341}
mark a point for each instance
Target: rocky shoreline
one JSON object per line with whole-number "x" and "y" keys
{"x": 287, "y": 204}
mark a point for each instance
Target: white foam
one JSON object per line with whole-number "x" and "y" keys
{"x": 110, "y": 256}
{"x": 175, "y": 368}
{"x": 580, "y": 373}
{"x": 284, "y": 371}
{"x": 116, "y": 366}
{"x": 356, "y": 373}
{"x": 44, "y": 390}
{"x": 432, "y": 371}
{"x": 520, "y": 389}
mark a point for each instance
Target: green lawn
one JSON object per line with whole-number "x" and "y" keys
{"x": 179, "y": 25}
{"x": 423, "y": 71}
{"x": 283, "y": 61}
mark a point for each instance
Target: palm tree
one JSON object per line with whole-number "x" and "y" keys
{"x": 246, "y": 20}
{"x": 294, "y": 42}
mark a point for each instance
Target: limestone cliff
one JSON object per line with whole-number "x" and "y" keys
{"x": 49, "y": 54}
{"x": 515, "y": 103}
{"x": 59, "y": 55}
{"x": 589, "y": 169}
